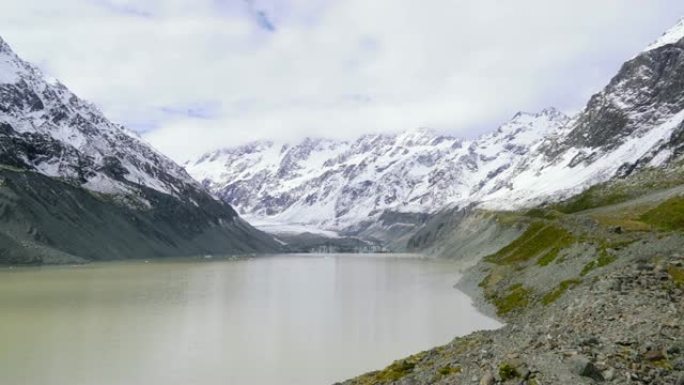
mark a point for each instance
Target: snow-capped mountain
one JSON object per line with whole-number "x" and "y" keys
{"x": 47, "y": 128}
{"x": 636, "y": 121}
{"x": 337, "y": 184}
{"x": 73, "y": 182}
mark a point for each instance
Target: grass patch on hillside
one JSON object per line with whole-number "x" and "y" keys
{"x": 449, "y": 370}
{"x": 556, "y": 293}
{"x": 592, "y": 197}
{"x": 543, "y": 213}
{"x": 668, "y": 215}
{"x": 509, "y": 218}
{"x": 396, "y": 371}
{"x": 625, "y": 223}
{"x": 518, "y": 297}
{"x": 491, "y": 279}
{"x": 617, "y": 191}
{"x": 603, "y": 259}
{"x": 508, "y": 372}
{"x": 677, "y": 274}
{"x": 11, "y": 168}
{"x": 540, "y": 239}
{"x": 551, "y": 255}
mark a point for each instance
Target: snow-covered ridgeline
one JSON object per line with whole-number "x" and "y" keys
{"x": 49, "y": 129}
{"x": 671, "y": 36}
{"x": 335, "y": 184}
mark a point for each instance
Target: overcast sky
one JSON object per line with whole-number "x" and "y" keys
{"x": 195, "y": 75}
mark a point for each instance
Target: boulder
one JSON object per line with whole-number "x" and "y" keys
{"x": 583, "y": 366}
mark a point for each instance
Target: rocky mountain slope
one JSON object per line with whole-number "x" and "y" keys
{"x": 48, "y": 131}
{"x": 635, "y": 122}
{"x": 591, "y": 289}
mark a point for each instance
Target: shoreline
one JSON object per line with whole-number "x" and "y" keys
{"x": 609, "y": 309}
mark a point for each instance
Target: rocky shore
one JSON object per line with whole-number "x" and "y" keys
{"x": 585, "y": 301}
{"x": 623, "y": 327}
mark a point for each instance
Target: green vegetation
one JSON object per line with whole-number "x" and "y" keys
{"x": 549, "y": 257}
{"x": 593, "y": 197}
{"x": 397, "y": 370}
{"x": 669, "y": 215}
{"x": 517, "y": 298}
{"x": 622, "y": 190}
{"x": 509, "y": 218}
{"x": 11, "y": 168}
{"x": 677, "y": 274}
{"x": 553, "y": 295}
{"x": 543, "y": 213}
{"x": 603, "y": 259}
{"x": 627, "y": 220}
{"x": 449, "y": 370}
{"x": 394, "y": 372}
{"x": 508, "y": 372}
{"x": 423, "y": 362}
{"x": 539, "y": 239}
{"x": 662, "y": 363}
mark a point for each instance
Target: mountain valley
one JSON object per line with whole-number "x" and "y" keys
{"x": 567, "y": 229}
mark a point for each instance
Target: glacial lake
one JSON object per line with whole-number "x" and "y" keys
{"x": 290, "y": 319}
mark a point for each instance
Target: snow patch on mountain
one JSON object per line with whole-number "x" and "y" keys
{"x": 542, "y": 181}
{"x": 9, "y": 65}
{"x": 270, "y": 227}
{"x": 671, "y": 36}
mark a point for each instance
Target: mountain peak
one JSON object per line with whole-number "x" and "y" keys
{"x": 549, "y": 113}
{"x": 4, "y": 47}
{"x": 527, "y": 128}
{"x": 246, "y": 148}
{"x": 417, "y": 136}
{"x": 671, "y": 36}
{"x": 418, "y": 131}
{"x": 71, "y": 139}
{"x": 10, "y": 64}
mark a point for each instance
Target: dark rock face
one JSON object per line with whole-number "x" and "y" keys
{"x": 647, "y": 91}
{"x": 43, "y": 220}
{"x": 584, "y": 367}
{"x": 635, "y": 122}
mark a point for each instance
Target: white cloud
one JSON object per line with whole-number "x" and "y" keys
{"x": 201, "y": 74}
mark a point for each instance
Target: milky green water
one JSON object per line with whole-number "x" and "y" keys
{"x": 277, "y": 320}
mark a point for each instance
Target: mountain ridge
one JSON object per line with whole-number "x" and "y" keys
{"x": 634, "y": 122}
{"x": 325, "y": 182}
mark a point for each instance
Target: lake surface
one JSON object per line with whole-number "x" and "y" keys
{"x": 288, "y": 319}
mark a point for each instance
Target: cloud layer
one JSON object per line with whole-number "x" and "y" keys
{"x": 194, "y": 75}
